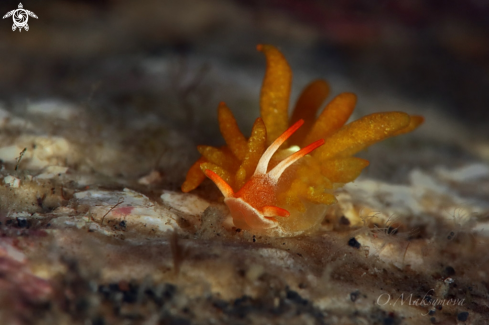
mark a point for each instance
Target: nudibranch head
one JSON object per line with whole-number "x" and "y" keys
{"x": 268, "y": 187}
{"x": 254, "y": 205}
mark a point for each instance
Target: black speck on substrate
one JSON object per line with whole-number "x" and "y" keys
{"x": 131, "y": 295}
{"x": 22, "y": 223}
{"x": 122, "y": 224}
{"x": 354, "y": 295}
{"x": 354, "y": 243}
{"x": 295, "y": 297}
{"x": 463, "y": 316}
{"x": 245, "y": 306}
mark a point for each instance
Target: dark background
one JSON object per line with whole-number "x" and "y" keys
{"x": 91, "y": 51}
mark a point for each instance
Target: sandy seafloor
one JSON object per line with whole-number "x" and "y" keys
{"x": 110, "y": 99}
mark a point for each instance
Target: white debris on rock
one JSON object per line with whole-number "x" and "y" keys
{"x": 278, "y": 257}
{"x": 9, "y": 154}
{"x": 425, "y": 195}
{"x": 11, "y": 181}
{"x": 135, "y": 209}
{"x": 465, "y": 173}
{"x": 187, "y": 203}
{"x": 21, "y": 215}
{"x": 397, "y": 253}
{"x": 41, "y": 152}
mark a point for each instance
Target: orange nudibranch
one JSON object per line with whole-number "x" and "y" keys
{"x": 266, "y": 176}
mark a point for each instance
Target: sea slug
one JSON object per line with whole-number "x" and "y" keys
{"x": 269, "y": 183}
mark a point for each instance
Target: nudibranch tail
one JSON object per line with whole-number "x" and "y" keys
{"x": 267, "y": 155}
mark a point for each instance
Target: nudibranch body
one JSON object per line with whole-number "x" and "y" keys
{"x": 296, "y": 186}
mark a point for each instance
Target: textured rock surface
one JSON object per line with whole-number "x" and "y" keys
{"x": 78, "y": 244}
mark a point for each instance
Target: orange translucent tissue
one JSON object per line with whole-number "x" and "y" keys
{"x": 267, "y": 180}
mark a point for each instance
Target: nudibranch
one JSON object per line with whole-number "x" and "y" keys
{"x": 268, "y": 182}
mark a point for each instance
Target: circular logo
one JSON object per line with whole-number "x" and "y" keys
{"x": 20, "y": 18}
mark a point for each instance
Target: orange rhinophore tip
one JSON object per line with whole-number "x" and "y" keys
{"x": 226, "y": 190}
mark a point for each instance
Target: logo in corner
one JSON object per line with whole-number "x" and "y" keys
{"x": 20, "y": 16}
